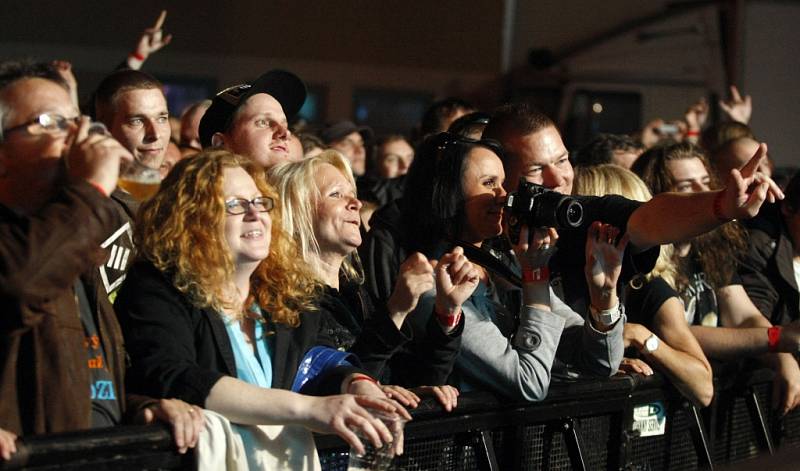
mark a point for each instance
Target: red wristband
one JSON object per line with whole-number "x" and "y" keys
{"x": 361, "y": 377}
{"x": 717, "y": 208}
{"x": 98, "y": 188}
{"x": 449, "y": 320}
{"x": 535, "y": 275}
{"x": 774, "y": 336}
{"x": 692, "y": 133}
{"x": 137, "y": 56}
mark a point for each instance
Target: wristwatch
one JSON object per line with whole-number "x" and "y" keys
{"x": 651, "y": 344}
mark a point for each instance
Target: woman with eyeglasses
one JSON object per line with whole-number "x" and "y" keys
{"x": 217, "y": 310}
{"x": 321, "y": 212}
{"x": 513, "y": 338}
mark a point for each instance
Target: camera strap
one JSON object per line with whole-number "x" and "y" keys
{"x": 491, "y": 262}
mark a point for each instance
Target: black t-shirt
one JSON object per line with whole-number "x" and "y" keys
{"x": 700, "y": 298}
{"x": 642, "y": 304}
{"x": 566, "y": 266}
{"x": 106, "y": 410}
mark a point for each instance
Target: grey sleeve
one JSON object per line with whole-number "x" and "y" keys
{"x": 518, "y": 368}
{"x": 583, "y": 347}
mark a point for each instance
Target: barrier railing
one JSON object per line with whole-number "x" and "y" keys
{"x": 624, "y": 423}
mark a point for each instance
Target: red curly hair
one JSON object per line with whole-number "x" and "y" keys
{"x": 180, "y": 231}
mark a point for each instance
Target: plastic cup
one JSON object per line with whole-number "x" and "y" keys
{"x": 378, "y": 459}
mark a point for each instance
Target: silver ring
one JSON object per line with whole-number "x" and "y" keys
{"x": 544, "y": 247}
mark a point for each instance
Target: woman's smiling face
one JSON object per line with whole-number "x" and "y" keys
{"x": 484, "y": 196}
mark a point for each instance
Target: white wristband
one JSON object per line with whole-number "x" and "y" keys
{"x": 607, "y": 317}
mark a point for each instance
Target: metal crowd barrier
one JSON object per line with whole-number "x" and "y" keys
{"x": 624, "y": 423}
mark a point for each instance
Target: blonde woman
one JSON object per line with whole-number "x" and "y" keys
{"x": 218, "y": 311}
{"x": 322, "y": 214}
{"x": 656, "y": 324}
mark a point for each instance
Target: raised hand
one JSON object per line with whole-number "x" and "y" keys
{"x": 64, "y": 69}
{"x": 414, "y": 279}
{"x": 534, "y": 250}
{"x": 737, "y": 108}
{"x": 151, "y": 41}
{"x": 746, "y": 190}
{"x": 603, "y": 263}
{"x": 456, "y": 279}
{"x": 8, "y": 444}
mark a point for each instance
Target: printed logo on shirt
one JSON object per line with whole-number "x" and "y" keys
{"x": 120, "y": 248}
{"x": 103, "y": 390}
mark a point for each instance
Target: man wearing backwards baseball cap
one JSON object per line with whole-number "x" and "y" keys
{"x": 250, "y": 119}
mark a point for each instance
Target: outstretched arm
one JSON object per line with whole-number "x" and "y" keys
{"x": 675, "y": 217}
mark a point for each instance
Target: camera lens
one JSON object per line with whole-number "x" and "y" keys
{"x": 573, "y": 214}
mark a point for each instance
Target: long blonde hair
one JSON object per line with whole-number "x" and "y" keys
{"x": 298, "y": 191}
{"x": 610, "y": 179}
{"x": 180, "y": 231}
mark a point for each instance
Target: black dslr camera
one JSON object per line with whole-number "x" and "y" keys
{"x": 536, "y": 206}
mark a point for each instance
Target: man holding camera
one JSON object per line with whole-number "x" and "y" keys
{"x": 534, "y": 151}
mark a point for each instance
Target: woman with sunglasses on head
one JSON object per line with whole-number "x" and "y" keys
{"x": 321, "y": 212}
{"x": 512, "y": 337}
{"x": 218, "y": 309}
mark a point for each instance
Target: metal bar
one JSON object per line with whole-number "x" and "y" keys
{"x": 761, "y": 423}
{"x": 699, "y": 438}
{"x": 487, "y": 460}
{"x": 573, "y": 440}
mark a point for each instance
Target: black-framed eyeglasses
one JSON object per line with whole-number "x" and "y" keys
{"x": 45, "y": 123}
{"x": 237, "y": 206}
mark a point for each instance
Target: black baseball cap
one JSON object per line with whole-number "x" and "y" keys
{"x": 284, "y": 86}
{"x": 341, "y": 129}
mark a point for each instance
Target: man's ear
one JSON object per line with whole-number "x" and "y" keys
{"x": 218, "y": 140}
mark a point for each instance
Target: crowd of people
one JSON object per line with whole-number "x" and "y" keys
{"x": 310, "y": 278}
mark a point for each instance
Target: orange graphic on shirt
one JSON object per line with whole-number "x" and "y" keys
{"x": 92, "y": 342}
{"x": 96, "y": 362}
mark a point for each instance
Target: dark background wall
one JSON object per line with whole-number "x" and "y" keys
{"x": 403, "y": 53}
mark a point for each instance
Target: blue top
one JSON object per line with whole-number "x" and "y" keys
{"x": 249, "y": 368}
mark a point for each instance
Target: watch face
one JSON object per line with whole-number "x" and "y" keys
{"x": 651, "y": 344}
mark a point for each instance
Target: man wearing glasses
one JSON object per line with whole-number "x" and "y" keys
{"x": 251, "y": 118}
{"x": 61, "y": 361}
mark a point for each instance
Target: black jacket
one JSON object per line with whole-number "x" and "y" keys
{"x": 767, "y": 271}
{"x": 178, "y": 350}
{"x": 420, "y": 353}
